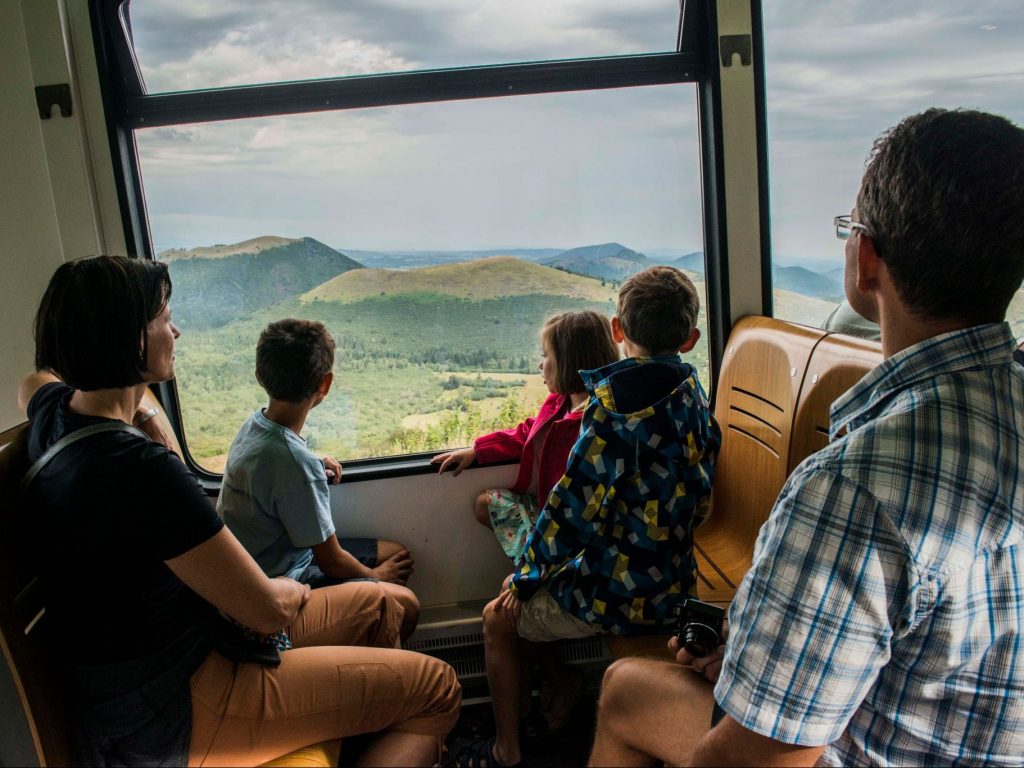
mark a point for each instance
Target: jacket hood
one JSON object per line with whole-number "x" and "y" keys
{"x": 653, "y": 398}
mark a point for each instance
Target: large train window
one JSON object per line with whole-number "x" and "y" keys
{"x": 432, "y": 231}
{"x": 838, "y": 74}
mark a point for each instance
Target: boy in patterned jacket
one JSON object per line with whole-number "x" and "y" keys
{"x": 612, "y": 548}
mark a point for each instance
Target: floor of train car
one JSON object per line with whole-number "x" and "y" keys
{"x": 569, "y": 747}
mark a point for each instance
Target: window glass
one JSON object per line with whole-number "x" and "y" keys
{"x": 838, "y": 74}
{"x": 192, "y": 44}
{"x": 431, "y": 239}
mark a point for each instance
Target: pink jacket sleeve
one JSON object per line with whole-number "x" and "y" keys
{"x": 503, "y": 445}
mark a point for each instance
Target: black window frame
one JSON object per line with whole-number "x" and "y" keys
{"x": 128, "y": 107}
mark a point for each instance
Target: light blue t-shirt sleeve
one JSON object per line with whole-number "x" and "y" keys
{"x": 302, "y": 504}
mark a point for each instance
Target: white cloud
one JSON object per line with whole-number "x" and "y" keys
{"x": 184, "y": 46}
{"x": 531, "y": 171}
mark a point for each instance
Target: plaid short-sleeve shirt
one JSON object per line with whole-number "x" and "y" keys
{"x": 884, "y": 612}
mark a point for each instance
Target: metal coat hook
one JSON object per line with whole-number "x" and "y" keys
{"x": 48, "y": 95}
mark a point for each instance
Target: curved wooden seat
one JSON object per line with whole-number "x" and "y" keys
{"x": 756, "y": 396}
{"x": 23, "y": 621}
{"x": 837, "y": 363}
{"x": 778, "y": 383}
{"x": 22, "y": 613}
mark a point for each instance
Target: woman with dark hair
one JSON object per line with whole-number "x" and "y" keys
{"x": 140, "y": 571}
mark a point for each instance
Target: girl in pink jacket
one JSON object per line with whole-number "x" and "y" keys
{"x": 570, "y": 342}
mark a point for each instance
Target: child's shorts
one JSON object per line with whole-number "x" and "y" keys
{"x": 543, "y": 620}
{"x": 512, "y": 518}
{"x": 363, "y": 550}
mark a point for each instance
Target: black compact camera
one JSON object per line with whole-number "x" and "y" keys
{"x": 700, "y": 627}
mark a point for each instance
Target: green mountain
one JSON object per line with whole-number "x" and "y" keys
{"x": 608, "y": 261}
{"x": 218, "y": 284}
{"x": 489, "y": 278}
{"x": 477, "y": 314}
{"x": 691, "y": 262}
{"x": 410, "y": 259}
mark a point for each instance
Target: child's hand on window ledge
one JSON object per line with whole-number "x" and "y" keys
{"x": 333, "y": 469}
{"x": 454, "y": 460}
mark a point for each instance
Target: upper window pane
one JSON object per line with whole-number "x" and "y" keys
{"x": 184, "y": 45}
{"x": 838, "y": 74}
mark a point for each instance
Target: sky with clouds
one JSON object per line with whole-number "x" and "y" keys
{"x": 557, "y": 170}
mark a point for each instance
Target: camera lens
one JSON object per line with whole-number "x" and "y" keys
{"x": 699, "y": 639}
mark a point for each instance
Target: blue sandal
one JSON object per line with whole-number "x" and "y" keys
{"x": 479, "y": 753}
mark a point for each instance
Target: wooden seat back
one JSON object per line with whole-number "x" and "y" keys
{"x": 22, "y": 613}
{"x": 756, "y": 399}
{"x": 837, "y": 363}
{"x": 777, "y": 385}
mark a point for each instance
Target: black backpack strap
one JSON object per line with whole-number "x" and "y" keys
{"x": 74, "y": 437}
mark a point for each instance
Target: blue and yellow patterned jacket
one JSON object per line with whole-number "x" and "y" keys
{"x": 613, "y": 543}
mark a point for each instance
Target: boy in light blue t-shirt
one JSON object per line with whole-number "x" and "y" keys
{"x": 275, "y": 496}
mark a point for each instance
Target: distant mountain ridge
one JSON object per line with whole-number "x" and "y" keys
{"x": 216, "y": 285}
{"x": 220, "y": 283}
{"x": 251, "y": 246}
{"x": 806, "y": 282}
{"x": 691, "y": 262}
{"x": 608, "y": 261}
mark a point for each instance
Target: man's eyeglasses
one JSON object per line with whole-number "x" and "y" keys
{"x": 845, "y": 225}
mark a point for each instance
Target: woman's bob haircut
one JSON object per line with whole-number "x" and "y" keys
{"x": 90, "y": 329}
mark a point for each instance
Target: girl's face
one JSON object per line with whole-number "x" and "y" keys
{"x": 160, "y": 354}
{"x": 547, "y": 366}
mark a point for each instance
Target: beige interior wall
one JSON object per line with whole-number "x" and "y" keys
{"x": 31, "y": 247}
{"x": 57, "y": 196}
{"x": 739, "y": 135}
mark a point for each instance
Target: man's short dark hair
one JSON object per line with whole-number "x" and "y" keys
{"x": 90, "y": 328}
{"x": 292, "y": 358}
{"x": 579, "y": 341}
{"x": 943, "y": 199}
{"x": 658, "y": 309}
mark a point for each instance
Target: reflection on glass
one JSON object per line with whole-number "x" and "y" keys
{"x": 431, "y": 239}
{"x": 214, "y": 43}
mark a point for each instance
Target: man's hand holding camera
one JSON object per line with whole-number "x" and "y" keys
{"x": 700, "y": 643}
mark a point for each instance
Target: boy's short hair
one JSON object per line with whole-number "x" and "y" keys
{"x": 292, "y": 358}
{"x": 579, "y": 341}
{"x": 93, "y": 317}
{"x": 658, "y": 309}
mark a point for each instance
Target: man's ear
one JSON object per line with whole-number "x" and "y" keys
{"x": 868, "y": 264}
{"x": 617, "y": 333}
{"x": 690, "y": 342}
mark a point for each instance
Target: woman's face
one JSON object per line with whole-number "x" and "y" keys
{"x": 547, "y": 366}
{"x": 160, "y": 355}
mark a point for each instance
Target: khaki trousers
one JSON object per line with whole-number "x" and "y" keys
{"x": 247, "y": 714}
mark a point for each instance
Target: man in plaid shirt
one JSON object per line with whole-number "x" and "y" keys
{"x": 882, "y": 621}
